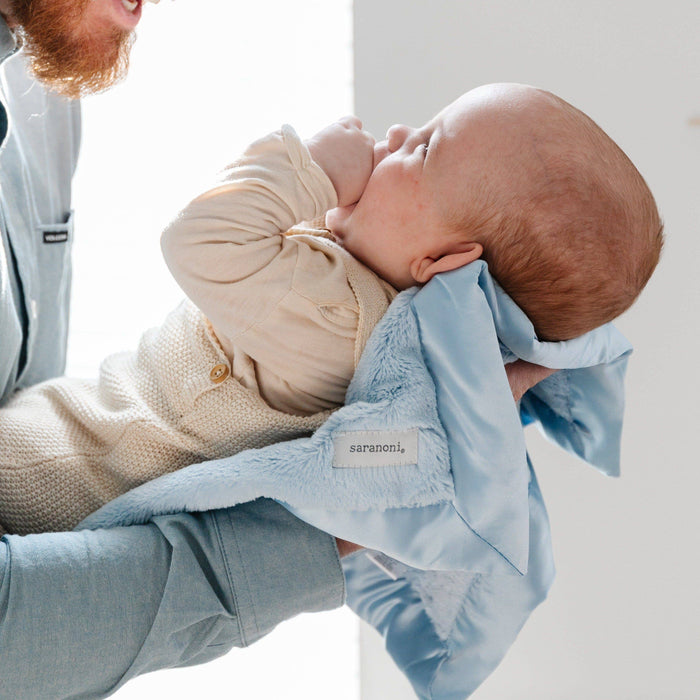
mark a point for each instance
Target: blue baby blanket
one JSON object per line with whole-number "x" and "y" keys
{"x": 426, "y": 466}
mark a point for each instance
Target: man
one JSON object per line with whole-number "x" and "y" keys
{"x": 81, "y": 613}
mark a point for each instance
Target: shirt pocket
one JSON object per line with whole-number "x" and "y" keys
{"x": 56, "y": 242}
{"x": 49, "y": 300}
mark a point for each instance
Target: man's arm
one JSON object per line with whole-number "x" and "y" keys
{"x": 83, "y": 612}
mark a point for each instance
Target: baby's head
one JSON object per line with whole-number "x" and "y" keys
{"x": 517, "y": 176}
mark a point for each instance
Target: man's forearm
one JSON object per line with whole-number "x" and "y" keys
{"x": 81, "y": 613}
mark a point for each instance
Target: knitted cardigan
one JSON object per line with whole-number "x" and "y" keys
{"x": 69, "y": 446}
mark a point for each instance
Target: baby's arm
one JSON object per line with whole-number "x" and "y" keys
{"x": 231, "y": 234}
{"x": 285, "y": 302}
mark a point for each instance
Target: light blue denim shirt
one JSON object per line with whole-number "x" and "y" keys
{"x": 38, "y": 152}
{"x": 83, "y": 612}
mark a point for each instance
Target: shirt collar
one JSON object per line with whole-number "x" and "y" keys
{"x": 8, "y": 41}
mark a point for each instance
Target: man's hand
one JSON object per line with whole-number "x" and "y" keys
{"x": 345, "y": 548}
{"x": 524, "y": 375}
{"x": 346, "y": 154}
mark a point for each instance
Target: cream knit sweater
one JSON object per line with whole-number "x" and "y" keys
{"x": 263, "y": 352}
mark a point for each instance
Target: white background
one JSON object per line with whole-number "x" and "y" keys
{"x": 623, "y": 618}
{"x": 207, "y": 77}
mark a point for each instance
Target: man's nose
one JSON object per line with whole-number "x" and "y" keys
{"x": 396, "y": 136}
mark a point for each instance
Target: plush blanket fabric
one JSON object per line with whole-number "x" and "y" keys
{"x": 426, "y": 464}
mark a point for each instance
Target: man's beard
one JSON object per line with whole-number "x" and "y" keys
{"x": 66, "y": 52}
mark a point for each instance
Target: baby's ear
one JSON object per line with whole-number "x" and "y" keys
{"x": 423, "y": 270}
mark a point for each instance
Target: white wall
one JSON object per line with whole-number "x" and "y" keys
{"x": 623, "y": 619}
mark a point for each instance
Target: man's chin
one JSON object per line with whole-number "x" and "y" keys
{"x": 69, "y": 54}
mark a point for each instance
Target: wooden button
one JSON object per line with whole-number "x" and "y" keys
{"x": 219, "y": 373}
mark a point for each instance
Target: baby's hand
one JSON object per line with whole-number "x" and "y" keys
{"x": 346, "y": 154}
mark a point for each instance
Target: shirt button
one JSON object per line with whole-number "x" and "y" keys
{"x": 219, "y": 373}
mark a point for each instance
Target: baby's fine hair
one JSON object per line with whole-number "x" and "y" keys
{"x": 579, "y": 247}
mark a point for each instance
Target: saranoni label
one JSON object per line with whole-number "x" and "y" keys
{"x": 375, "y": 448}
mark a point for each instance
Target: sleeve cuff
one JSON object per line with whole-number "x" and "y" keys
{"x": 314, "y": 179}
{"x": 279, "y": 566}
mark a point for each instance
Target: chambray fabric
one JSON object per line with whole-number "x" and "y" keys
{"x": 38, "y": 154}
{"x": 460, "y": 523}
{"x": 81, "y": 613}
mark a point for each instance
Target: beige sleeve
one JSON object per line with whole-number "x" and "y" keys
{"x": 284, "y": 301}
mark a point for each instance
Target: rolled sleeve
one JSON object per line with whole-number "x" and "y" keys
{"x": 300, "y": 573}
{"x": 82, "y": 613}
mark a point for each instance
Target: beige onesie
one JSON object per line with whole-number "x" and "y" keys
{"x": 263, "y": 350}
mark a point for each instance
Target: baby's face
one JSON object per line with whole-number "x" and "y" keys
{"x": 424, "y": 179}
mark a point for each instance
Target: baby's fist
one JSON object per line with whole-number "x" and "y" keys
{"x": 346, "y": 154}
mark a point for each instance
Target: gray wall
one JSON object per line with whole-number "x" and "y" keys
{"x": 623, "y": 619}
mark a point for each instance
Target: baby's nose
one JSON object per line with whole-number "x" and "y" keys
{"x": 396, "y": 135}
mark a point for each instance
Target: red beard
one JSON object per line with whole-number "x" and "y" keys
{"x": 67, "y": 52}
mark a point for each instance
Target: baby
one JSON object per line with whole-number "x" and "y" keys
{"x": 276, "y": 323}
{"x": 519, "y": 177}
